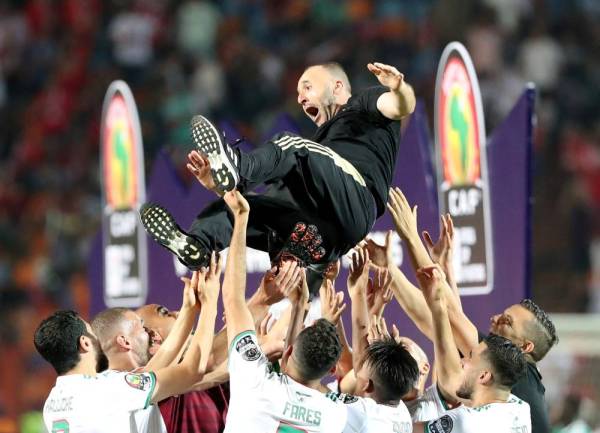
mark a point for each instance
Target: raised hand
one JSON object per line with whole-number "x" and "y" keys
{"x": 387, "y": 75}
{"x": 190, "y": 301}
{"x": 379, "y": 293}
{"x": 380, "y": 255}
{"x": 430, "y": 280}
{"x": 441, "y": 251}
{"x": 332, "y": 303}
{"x": 272, "y": 341}
{"x": 236, "y": 202}
{"x": 278, "y": 281}
{"x": 404, "y": 218}
{"x": 299, "y": 293}
{"x": 199, "y": 166}
{"x": 359, "y": 271}
{"x": 377, "y": 329}
{"x": 213, "y": 276}
{"x": 332, "y": 271}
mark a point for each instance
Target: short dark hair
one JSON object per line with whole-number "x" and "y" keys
{"x": 107, "y": 322}
{"x": 317, "y": 349}
{"x": 57, "y": 339}
{"x": 393, "y": 369}
{"x": 507, "y": 360}
{"x": 540, "y": 331}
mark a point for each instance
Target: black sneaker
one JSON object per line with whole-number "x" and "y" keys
{"x": 161, "y": 226}
{"x": 223, "y": 159}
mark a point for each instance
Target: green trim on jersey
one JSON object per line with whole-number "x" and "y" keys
{"x": 441, "y": 397}
{"x": 239, "y": 337}
{"x": 151, "y": 391}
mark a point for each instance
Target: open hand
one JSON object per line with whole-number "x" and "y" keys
{"x": 332, "y": 303}
{"x": 379, "y": 293}
{"x": 359, "y": 271}
{"x": 430, "y": 280}
{"x": 199, "y": 166}
{"x": 387, "y": 75}
{"x": 277, "y": 282}
{"x": 404, "y": 218}
{"x": 441, "y": 251}
{"x": 380, "y": 255}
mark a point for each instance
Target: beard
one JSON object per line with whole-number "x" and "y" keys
{"x": 465, "y": 391}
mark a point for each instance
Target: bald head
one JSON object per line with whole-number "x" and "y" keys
{"x": 336, "y": 71}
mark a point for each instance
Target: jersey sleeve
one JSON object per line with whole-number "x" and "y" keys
{"x": 247, "y": 363}
{"x": 455, "y": 420}
{"x": 356, "y": 411}
{"x": 129, "y": 391}
{"x": 366, "y": 101}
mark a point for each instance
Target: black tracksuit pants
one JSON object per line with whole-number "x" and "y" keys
{"x": 306, "y": 182}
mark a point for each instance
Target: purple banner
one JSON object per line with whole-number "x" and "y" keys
{"x": 509, "y": 150}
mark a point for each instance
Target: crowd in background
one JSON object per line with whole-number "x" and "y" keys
{"x": 239, "y": 60}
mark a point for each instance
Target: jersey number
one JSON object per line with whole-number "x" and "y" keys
{"x": 288, "y": 428}
{"x": 60, "y": 426}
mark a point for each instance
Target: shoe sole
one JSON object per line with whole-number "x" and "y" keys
{"x": 161, "y": 226}
{"x": 210, "y": 142}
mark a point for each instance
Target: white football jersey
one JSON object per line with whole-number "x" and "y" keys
{"x": 366, "y": 416}
{"x": 510, "y": 417}
{"x": 108, "y": 402}
{"x": 431, "y": 405}
{"x": 264, "y": 401}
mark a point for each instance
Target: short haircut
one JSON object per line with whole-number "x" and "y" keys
{"x": 337, "y": 70}
{"x": 57, "y": 339}
{"x": 540, "y": 331}
{"x": 317, "y": 349}
{"x": 507, "y": 360}
{"x": 393, "y": 370}
{"x": 106, "y": 324}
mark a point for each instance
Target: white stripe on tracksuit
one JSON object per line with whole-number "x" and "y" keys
{"x": 289, "y": 141}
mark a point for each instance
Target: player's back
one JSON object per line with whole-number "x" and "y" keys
{"x": 279, "y": 404}
{"x": 510, "y": 417}
{"x": 265, "y": 401}
{"x": 365, "y": 415}
{"x": 108, "y": 402}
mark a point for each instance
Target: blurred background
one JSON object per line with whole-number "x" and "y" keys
{"x": 240, "y": 60}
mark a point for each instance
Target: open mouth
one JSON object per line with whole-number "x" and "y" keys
{"x": 312, "y": 111}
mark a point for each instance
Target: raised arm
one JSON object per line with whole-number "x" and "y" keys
{"x": 448, "y": 368}
{"x": 174, "y": 344}
{"x": 176, "y": 379}
{"x": 442, "y": 252}
{"x": 406, "y": 293}
{"x": 298, "y": 297}
{"x": 237, "y": 314}
{"x": 400, "y": 101}
{"x": 357, "y": 289}
{"x": 274, "y": 286}
{"x": 405, "y": 220}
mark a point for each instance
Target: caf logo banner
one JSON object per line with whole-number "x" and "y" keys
{"x": 123, "y": 191}
{"x": 463, "y": 187}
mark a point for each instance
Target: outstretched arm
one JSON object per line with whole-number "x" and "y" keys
{"x": 405, "y": 220}
{"x": 400, "y": 101}
{"x": 406, "y": 293}
{"x": 357, "y": 289}
{"x": 237, "y": 314}
{"x": 174, "y": 345}
{"x": 176, "y": 379}
{"x": 448, "y": 368}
